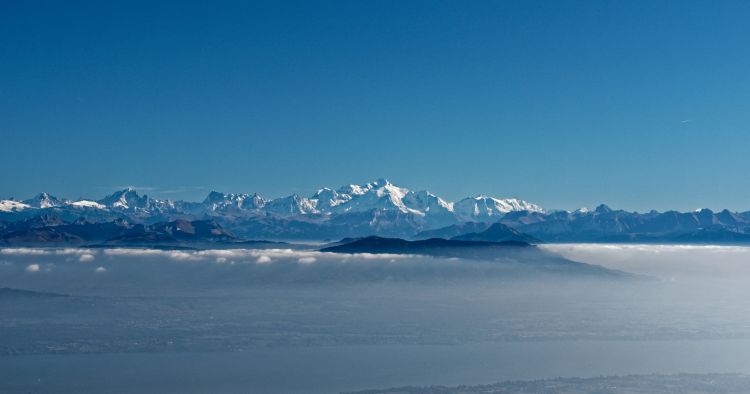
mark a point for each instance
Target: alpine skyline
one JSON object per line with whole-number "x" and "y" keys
{"x": 641, "y": 105}
{"x": 378, "y": 208}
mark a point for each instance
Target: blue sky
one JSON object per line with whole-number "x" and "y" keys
{"x": 564, "y": 103}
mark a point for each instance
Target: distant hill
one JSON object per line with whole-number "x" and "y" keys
{"x": 433, "y": 246}
{"x": 608, "y": 225}
{"x": 497, "y": 232}
{"x": 54, "y": 231}
{"x": 454, "y": 230}
{"x": 176, "y": 232}
{"x": 516, "y": 255}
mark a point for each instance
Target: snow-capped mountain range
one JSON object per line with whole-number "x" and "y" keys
{"x": 378, "y": 205}
{"x": 380, "y": 194}
{"x": 376, "y": 208}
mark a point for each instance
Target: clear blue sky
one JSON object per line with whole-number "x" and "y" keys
{"x": 565, "y": 103}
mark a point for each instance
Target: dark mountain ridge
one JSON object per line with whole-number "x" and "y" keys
{"x": 49, "y": 230}
{"x": 516, "y": 255}
{"x": 432, "y": 246}
{"x": 497, "y": 232}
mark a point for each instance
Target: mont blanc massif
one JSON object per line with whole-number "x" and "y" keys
{"x": 378, "y": 208}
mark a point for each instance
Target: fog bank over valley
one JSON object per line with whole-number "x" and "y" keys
{"x": 682, "y": 311}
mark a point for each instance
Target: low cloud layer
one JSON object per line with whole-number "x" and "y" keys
{"x": 223, "y": 255}
{"x": 45, "y": 252}
{"x": 220, "y": 269}
{"x": 70, "y": 269}
{"x": 664, "y": 261}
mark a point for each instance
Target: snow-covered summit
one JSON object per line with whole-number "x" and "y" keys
{"x": 126, "y": 199}
{"x": 485, "y": 207}
{"x": 129, "y": 200}
{"x": 380, "y": 194}
{"x": 44, "y": 200}
{"x": 291, "y": 205}
{"x": 425, "y": 201}
{"x": 326, "y": 198}
{"x": 216, "y": 201}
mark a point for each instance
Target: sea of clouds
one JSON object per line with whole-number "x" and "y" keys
{"x": 77, "y": 270}
{"x": 671, "y": 262}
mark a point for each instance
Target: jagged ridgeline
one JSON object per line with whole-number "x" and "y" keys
{"x": 376, "y": 208}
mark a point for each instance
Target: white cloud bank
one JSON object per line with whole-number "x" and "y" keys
{"x": 45, "y": 252}
{"x": 221, "y": 267}
{"x": 260, "y": 256}
{"x": 25, "y": 251}
{"x": 665, "y": 261}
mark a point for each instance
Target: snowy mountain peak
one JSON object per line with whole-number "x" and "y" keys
{"x": 326, "y": 198}
{"x": 291, "y": 205}
{"x": 44, "y": 200}
{"x": 216, "y": 201}
{"x": 253, "y": 202}
{"x": 214, "y": 197}
{"x": 483, "y": 207}
{"x": 380, "y": 194}
{"x": 425, "y": 201}
{"x": 128, "y": 199}
{"x": 358, "y": 190}
{"x": 390, "y": 189}
{"x": 354, "y": 190}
